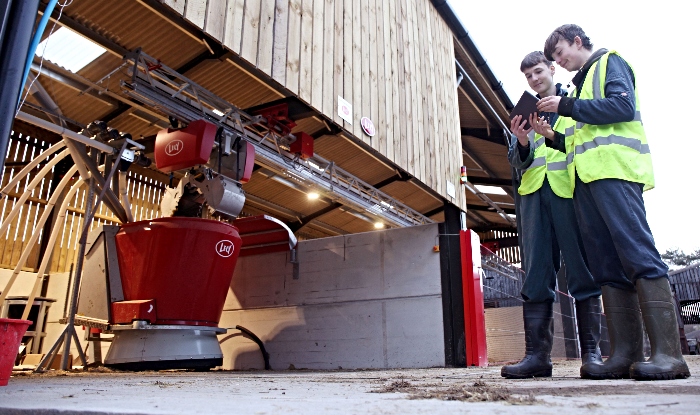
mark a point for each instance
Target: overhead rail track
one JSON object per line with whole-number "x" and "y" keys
{"x": 159, "y": 87}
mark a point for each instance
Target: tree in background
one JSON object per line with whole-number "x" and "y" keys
{"x": 681, "y": 259}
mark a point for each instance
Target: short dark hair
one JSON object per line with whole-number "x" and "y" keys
{"x": 568, "y": 32}
{"x": 532, "y": 59}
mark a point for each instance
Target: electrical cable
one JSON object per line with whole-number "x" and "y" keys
{"x": 256, "y": 339}
{"x": 35, "y": 43}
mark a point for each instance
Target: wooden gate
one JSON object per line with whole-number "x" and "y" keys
{"x": 145, "y": 188}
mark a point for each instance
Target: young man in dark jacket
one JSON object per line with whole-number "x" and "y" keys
{"x": 610, "y": 166}
{"x": 548, "y": 225}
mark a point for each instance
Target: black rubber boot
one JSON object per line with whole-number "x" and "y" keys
{"x": 539, "y": 331}
{"x": 659, "y": 312}
{"x": 626, "y": 333}
{"x": 588, "y": 313}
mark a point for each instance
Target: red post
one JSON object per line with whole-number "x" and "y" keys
{"x": 473, "y": 292}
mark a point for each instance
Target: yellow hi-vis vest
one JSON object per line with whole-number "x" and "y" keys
{"x": 611, "y": 151}
{"x": 549, "y": 163}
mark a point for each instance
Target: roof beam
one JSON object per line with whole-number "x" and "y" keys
{"x": 492, "y": 135}
{"x": 399, "y": 177}
{"x": 491, "y": 181}
{"x": 482, "y": 208}
{"x": 434, "y": 211}
{"x": 87, "y": 87}
{"x": 308, "y": 218}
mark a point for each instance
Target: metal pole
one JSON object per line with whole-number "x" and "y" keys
{"x": 62, "y": 131}
{"x": 483, "y": 99}
{"x": 18, "y": 28}
{"x": 78, "y": 273}
{"x": 4, "y": 15}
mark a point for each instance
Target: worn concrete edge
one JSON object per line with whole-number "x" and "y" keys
{"x": 49, "y": 411}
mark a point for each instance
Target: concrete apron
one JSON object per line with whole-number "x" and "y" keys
{"x": 413, "y": 391}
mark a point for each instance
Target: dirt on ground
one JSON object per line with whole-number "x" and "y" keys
{"x": 478, "y": 391}
{"x": 490, "y": 387}
{"x": 471, "y": 385}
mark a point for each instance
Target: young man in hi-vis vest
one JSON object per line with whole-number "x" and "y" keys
{"x": 548, "y": 225}
{"x": 610, "y": 166}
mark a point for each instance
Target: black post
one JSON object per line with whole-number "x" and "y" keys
{"x": 4, "y": 15}
{"x": 452, "y": 290}
{"x": 17, "y": 30}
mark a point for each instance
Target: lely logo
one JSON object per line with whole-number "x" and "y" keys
{"x": 174, "y": 147}
{"x": 368, "y": 126}
{"x": 224, "y": 248}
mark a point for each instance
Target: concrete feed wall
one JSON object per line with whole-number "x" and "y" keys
{"x": 370, "y": 300}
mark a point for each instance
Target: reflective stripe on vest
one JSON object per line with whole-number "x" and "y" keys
{"x": 539, "y": 143}
{"x": 547, "y": 163}
{"x": 618, "y": 151}
{"x": 557, "y": 165}
{"x": 538, "y": 162}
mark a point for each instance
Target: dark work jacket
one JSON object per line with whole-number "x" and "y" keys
{"x": 618, "y": 104}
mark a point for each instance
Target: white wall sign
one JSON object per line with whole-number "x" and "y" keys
{"x": 345, "y": 110}
{"x": 450, "y": 189}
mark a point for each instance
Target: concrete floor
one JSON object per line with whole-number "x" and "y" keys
{"x": 415, "y": 391}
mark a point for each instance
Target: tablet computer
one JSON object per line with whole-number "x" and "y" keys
{"x": 527, "y": 104}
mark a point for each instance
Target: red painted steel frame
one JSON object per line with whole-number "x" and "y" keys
{"x": 474, "y": 325}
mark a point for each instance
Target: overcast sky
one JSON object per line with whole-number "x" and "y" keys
{"x": 660, "y": 44}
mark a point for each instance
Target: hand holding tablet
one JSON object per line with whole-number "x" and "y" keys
{"x": 525, "y": 106}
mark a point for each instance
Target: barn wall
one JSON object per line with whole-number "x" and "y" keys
{"x": 392, "y": 60}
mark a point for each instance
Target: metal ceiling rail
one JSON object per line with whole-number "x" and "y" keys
{"x": 160, "y": 87}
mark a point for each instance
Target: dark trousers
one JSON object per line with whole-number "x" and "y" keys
{"x": 549, "y": 225}
{"x": 616, "y": 235}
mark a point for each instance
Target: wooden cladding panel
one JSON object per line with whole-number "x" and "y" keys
{"x": 195, "y": 12}
{"x": 233, "y": 30}
{"x": 347, "y": 56}
{"x": 329, "y": 30}
{"x": 279, "y": 47}
{"x": 381, "y": 144}
{"x": 293, "y": 46}
{"x": 216, "y": 19}
{"x": 177, "y": 5}
{"x": 338, "y": 57}
{"x": 356, "y": 39}
{"x": 251, "y": 32}
{"x": 266, "y": 36}
{"x": 306, "y": 57}
{"x": 392, "y": 60}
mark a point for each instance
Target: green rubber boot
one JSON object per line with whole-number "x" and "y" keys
{"x": 539, "y": 333}
{"x": 626, "y": 335}
{"x": 588, "y": 313}
{"x": 659, "y": 312}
